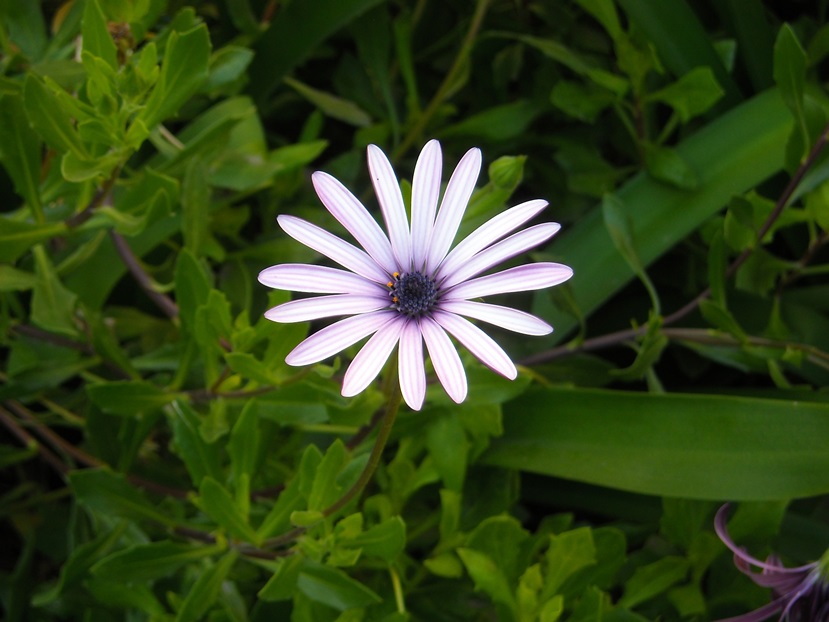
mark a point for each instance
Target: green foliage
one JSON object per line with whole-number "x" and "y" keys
{"x": 160, "y": 459}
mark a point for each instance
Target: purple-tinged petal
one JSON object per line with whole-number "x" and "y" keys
{"x": 425, "y": 194}
{"x": 308, "y": 309}
{"x": 505, "y": 317}
{"x": 478, "y": 343}
{"x": 370, "y": 359}
{"x": 337, "y": 337}
{"x": 491, "y": 231}
{"x": 318, "y": 279}
{"x": 720, "y": 520}
{"x": 445, "y": 359}
{"x": 453, "y": 206}
{"x": 411, "y": 370}
{"x": 351, "y": 214}
{"x": 328, "y": 244}
{"x": 498, "y": 253}
{"x": 518, "y": 279}
{"x": 387, "y": 189}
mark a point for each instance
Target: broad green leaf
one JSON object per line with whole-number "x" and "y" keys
{"x": 331, "y": 105}
{"x": 96, "y": 37}
{"x": 581, "y": 101}
{"x": 497, "y": 123}
{"x": 295, "y": 32}
{"x": 195, "y": 205}
{"x": 183, "y": 71}
{"x": 51, "y": 118}
{"x": 192, "y": 287}
{"x": 136, "y": 598}
{"x": 14, "y": 280}
{"x": 385, "y": 540}
{"x": 488, "y": 576}
{"x": 109, "y": 493}
{"x": 665, "y": 164}
{"x": 201, "y": 458}
{"x": 448, "y": 448}
{"x": 220, "y": 505}
{"x": 504, "y": 541}
{"x": 605, "y": 12}
{"x": 243, "y": 446}
{"x": 20, "y": 151}
{"x": 17, "y": 237}
{"x": 693, "y": 94}
{"x": 654, "y": 579}
{"x": 227, "y": 65}
{"x": 282, "y": 584}
{"x": 26, "y": 26}
{"x": 278, "y": 519}
{"x": 128, "y": 398}
{"x": 568, "y": 553}
{"x": 790, "y": 76}
{"x": 730, "y": 155}
{"x": 205, "y": 590}
{"x": 53, "y": 305}
{"x": 695, "y": 446}
{"x": 334, "y": 587}
{"x": 147, "y": 562}
{"x": 325, "y": 488}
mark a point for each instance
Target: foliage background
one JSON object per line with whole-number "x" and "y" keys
{"x": 161, "y": 462}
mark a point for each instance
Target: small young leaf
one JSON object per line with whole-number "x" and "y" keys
{"x": 385, "y": 540}
{"x": 691, "y": 95}
{"x": 488, "y": 577}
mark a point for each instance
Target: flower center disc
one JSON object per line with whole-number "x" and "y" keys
{"x": 413, "y": 294}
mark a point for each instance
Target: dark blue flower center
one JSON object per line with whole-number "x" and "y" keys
{"x": 412, "y": 294}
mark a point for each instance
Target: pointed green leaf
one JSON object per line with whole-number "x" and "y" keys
{"x": 96, "y": 37}
{"x": 53, "y": 305}
{"x": 220, "y": 505}
{"x": 128, "y": 398}
{"x": 109, "y": 493}
{"x": 50, "y": 118}
{"x": 205, "y": 590}
{"x": 201, "y": 458}
{"x": 147, "y": 562}
{"x": 20, "y": 151}
{"x": 334, "y": 588}
{"x": 488, "y": 577}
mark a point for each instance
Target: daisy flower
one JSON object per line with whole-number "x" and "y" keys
{"x": 801, "y": 594}
{"x": 408, "y": 288}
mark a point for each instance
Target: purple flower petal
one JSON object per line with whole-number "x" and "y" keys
{"x": 318, "y": 279}
{"x": 328, "y": 244}
{"x": 412, "y": 373}
{"x": 388, "y": 193}
{"x": 351, "y": 214}
{"x": 309, "y": 309}
{"x": 758, "y": 615}
{"x": 478, "y": 343}
{"x": 492, "y": 230}
{"x": 425, "y": 194}
{"x": 453, "y": 206}
{"x": 498, "y": 253}
{"x": 337, "y": 337}
{"x": 505, "y": 317}
{"x": 518, "y": 279}
{"x": 370, "y": 359}
{"x": 445, "y": 359}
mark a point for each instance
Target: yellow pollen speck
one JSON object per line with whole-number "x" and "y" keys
{"x": 389, "y": 284}
{"x": 396, "y": 274}
{"x": 394, "y": 299}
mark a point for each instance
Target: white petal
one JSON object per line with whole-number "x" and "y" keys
{"x": 453, "y": 206}
{"x": 478, "y": 343}
{"x": 318, "y": 307}
{"x": 492, "y": 230}
{"x": 498, "y": 253}
{"x": 411, "y": 370}
{"x": 371, "y": 358}
{"x": 518, "y": 279}
{"x": 505, "y": 317}
{"x": 445, "y": 359}
{"x": 337, "y": 337}
{"x": 425, "y": 194}
{"x": 345, "y": 207}
{"x": 388, "y": 193}
{"x": 299, "y": 277}
{"x": 328, "y": 244}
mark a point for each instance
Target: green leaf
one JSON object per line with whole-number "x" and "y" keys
{"x": 244, "y": 444}
{"x": 448, "y": 448}
{"x": 331, "y": 105}
{"x": 50, "y": 118}
{"x": 568, "y": 553}
{"x": 282, "y": 584}
{"x": 20, "y": 151}
{"x": 296, "y": 31}
{"x": 96, "y": 37}
{"x": 195, "y": 205}
{"x": 385, "y": 540}
{"x": 732, "y": 154}
{"x": 665, "y": 164}
{"x": 18, "y": 237}
{"x": 227, "y": 65}
{"x": 653, "y": 579}
{"x": 696, "y": 446}
{"x": 128, "y": 398}
{"x": 220, "y": 505}
{"x": 497, "y": 123}
{"x": 201, "y": 458}
{"x": 503, "y": 540}
{"x": 488, "y": 577}
{"x": 147, "y": 562}
{"x": 581, "y": 101}
{"x": 192, "y": 287}
{"x": 14, "y": 280}
{"x": 334, "y": 588}
{"x": 691, "y": 95}
{"x": 325, "y": 488}
{"x": 109, "y": 493}
{"x": 183, "y": 71}
{"x": 205, "y": 590}
{"x": 53, "y": 305}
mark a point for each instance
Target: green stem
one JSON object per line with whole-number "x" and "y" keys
{"x": 443, "y": 90}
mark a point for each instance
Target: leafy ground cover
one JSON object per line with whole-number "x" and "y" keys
{"x": 160, "y": 460}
